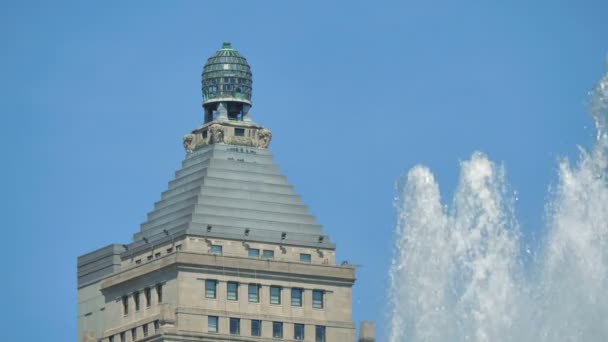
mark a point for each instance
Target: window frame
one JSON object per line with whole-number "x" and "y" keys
{"x": 217, "y": 250}
{"x": 257, "y": 253}
{"x": 315, "y": 302}
{"x": 300, "y": 297}
{"x": 323, "y": 329}
{"x": 276, "y": 324}
{"x": 278, "y": 299}
{"x": 236, "y": 290}
{"x": 270, "y": 253}
{"x": 217, "y": 323}
{"x": 257, "y": 293}
{"x": 309, "y": 256}
{"x": 237, "y": 321}
{"x": 259, "y": 327}
{"x": 208, "y": 289}
{"x": 295, "y": 332}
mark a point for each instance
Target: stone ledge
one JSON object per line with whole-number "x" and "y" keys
{"x": 334, "y": 275}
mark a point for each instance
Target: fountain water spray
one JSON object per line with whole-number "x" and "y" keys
{"x": 456, "y": 274}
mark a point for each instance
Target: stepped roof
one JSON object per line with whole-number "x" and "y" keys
{"x": 235, "y": 192}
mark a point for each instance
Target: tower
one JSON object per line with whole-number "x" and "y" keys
{"x": 229, "y": 252}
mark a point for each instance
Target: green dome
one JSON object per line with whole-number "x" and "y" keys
{"x": 227, "y": 77}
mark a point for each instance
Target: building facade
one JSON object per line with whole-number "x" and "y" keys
{"x": 229, "y": 252}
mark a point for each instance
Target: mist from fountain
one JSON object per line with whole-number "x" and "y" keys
{"x": 458, "y": 274}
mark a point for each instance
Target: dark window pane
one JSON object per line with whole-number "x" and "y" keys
{"x": 305, "y": 258}
{"x": 254, "y": 253}
{"x": 267, "y": 254}
{"x": 317, "y": 299}
{"x": 275, "y": 295}
{"x": 212, "y": 323}
{"x": 256, "y": 327}
{"x": 233, "y": 290}
{"x": 254, "y": 293}
{"x": 319, "y": 334}
{"x": 235, "y": 326}
{"x": 210, "y": 288}
{"x": 216, "y": 249}
{"x": 277, "y": 329}
{"x": 296, "y": 297}
{"x": 298, "y": 331}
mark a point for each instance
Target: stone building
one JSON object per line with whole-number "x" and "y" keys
{"x": 229, "y": 252}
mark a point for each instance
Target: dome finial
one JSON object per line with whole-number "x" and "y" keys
{"x": 226, "y": 46}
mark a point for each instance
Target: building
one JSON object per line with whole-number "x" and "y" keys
{"x": 229, "y": 252}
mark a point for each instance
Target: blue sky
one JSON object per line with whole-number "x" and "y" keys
{"x": 97, "y": 95}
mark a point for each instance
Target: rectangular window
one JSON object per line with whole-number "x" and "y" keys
{"x": 149, "y": 257}
{"x": 256, "y": 327}
{"x": 216, "y": 249}
{"x": 317, "y": 299}
{"x": 235, "y": 326}
{"x": 233, "y": 290}
{"x": 123, "y": 337}
{"x": 136, "y": 300}
{"x": 178, "y": 247}
{"x": 159, "y": 292}
{"x": 319, "y": 333}
{"x": 254, "y": 253}
{"x": 254, "y": 293}
{"x": 267, "y": 254}
{"x": 239, "y": 132}
{"x": 169, "y": 250}
{"x": 210, "y": 288}
{"x": 145, "y": 326}
{"x": 277, "y": 329}
{"x": 156, "y": 325}
{"x": 157, "y": 255}
{"x": 125, "y": 305}
{"x": 305, "y": 258}
{"x": 212, "y": 323}
{"x": 148, "y": 295}
{"x": 133, "y": 334}
{"x": 111, "y": 339}
{"x": 296, "y": 296}
{"x": 138, "y": 261}
{"x": 275, "y": 295}
{"x": 298, "y": 332}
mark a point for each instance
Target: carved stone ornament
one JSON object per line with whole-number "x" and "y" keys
{"x": 189, "y": 142}
{"x": 242, "y": 141}
{"x": 264, "y": 137}
{"x": 216, "y": 133}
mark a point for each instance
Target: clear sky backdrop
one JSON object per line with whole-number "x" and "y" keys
{"x": 96, "y": 95}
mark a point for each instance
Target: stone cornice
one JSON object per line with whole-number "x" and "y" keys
{"x": 329, "y": 274}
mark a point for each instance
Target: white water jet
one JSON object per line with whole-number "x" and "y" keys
{"x": 456, "y": 274}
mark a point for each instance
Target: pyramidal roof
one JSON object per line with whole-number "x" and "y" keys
{"x": 234, "y": 192}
